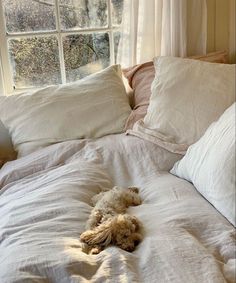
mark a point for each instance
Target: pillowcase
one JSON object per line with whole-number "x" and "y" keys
{"x": 7, "y": 152}
{"x": 213, "y": 57}
{"x": 140, "y": 78}
{"x": 210, "y": 164}
{"x": 89, "y": 108}
{"x": 187, "y": 96}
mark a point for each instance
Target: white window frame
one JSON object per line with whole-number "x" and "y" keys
{"x": 6, "y": 74}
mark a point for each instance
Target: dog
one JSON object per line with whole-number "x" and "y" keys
{"x": 109, "y": 224}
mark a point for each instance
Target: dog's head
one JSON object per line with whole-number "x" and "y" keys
{"x": 125, "y": 232}
{"x": 121, "y": 230}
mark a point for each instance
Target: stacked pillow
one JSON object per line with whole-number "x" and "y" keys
{"x": 89, "y": 108}
{"x": 210, "y": 164}
{"x": 140, "y": 78}
{"x": 187, "y": 96}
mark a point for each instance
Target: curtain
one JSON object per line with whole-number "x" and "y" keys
{"x": 162, "y": 27}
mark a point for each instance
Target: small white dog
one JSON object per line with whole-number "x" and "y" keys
{"x": 108, "y": 223}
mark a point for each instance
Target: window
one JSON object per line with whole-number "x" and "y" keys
{"x": 45, "y": 42}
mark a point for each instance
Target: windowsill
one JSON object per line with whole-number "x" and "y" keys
{"x": 27, "y": 89}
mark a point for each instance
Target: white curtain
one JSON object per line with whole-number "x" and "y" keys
{"x": 162, "y": 27}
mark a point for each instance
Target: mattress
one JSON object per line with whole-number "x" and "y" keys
{"x": 45, "y": 201}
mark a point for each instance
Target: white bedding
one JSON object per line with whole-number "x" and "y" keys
{"x": 45, "y": 202}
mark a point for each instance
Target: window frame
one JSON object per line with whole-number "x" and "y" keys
{"x": 6, "y": 72}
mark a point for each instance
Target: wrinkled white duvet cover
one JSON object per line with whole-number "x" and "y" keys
{"x": 45, "y": 202}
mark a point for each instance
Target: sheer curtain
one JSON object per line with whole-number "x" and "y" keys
{"x": 162, "y": 27}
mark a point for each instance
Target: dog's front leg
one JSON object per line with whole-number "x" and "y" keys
{"x": 94, "y": 219}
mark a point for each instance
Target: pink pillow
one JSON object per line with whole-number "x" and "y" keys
{"x": 213, "y": 57}
{"x": 140, "y": 78}
{"x": 1, "y": 162}
{"x": 7, "y": 152}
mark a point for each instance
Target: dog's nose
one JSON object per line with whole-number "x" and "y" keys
{"x": 136, "y": 242}
{"x": 129, "y": 249}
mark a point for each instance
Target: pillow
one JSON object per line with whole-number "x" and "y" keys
{"x": 89, "y": 108}
{"x": 210, "y": 164}
{"x": 187, "y": 96}
{"x": 213, "y": 57}
{"x": 7, "y": 152}
{"x": 141, "y": 76}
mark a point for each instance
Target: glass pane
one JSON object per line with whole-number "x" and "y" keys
{"x": 116, "y": 43}
{"x": 117, "y": 10}
{"x": 85, "y": 54}
{"x": 83, "y": 13}
{"x": 29, "y": 15}
{"x": 35, "y": 61}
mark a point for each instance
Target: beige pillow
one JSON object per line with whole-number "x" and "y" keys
{"x": 210, "y": 164}
{"x": 187, "y": 96}
{"x": 89, "y": 108}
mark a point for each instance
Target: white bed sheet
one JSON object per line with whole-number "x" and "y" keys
{"x": 45, "y": 202}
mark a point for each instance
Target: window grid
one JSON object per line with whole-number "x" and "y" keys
{"x": 60, "y": 44}
{"x": 6, "y": 75}
{"x": 58, "y": 32}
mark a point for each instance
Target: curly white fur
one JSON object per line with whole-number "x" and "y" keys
{"x": 108, "y": 223}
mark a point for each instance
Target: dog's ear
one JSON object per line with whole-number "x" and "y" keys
{"x": 101, "y": 235}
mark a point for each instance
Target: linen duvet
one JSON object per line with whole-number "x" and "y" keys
{"x": 45, "y": 203}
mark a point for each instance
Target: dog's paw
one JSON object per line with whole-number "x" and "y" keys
{"x": 95, "y": 250}
{"x": 134, "y": 189}
{"x": 137, "y": 200}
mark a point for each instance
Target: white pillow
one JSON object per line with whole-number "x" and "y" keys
{"x": 210, "y": 164}
{"x": 187, "y": 96}
{"x": 90, "y": 108}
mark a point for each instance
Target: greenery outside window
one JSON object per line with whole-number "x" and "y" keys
{"x": 45, "y": 42}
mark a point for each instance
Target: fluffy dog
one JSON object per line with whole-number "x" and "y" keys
{"x": 108, "y": 223}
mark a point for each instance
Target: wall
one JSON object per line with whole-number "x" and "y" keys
{"x": 221, "y": 27}
{"x": 1, "y": 79}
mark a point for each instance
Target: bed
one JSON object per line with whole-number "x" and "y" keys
{"x": 45, "y": 201}
{"x": 186, "y": 239}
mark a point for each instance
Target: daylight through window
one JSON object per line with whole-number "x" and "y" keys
{"x": 46, "y": 42}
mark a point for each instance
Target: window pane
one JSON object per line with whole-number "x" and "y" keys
{"x": 35, "y": 61}
{"x": 83, "y": 13}
{"x": 117, "y": 10}
{"x": 29, "y": 15}
{"x": 85, "y": 54}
